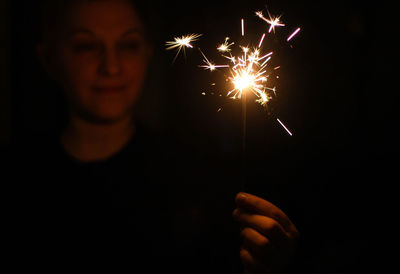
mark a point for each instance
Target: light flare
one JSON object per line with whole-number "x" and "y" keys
{"x": 272, "y": 21}
{"x": 225, "y": 47}
{"x": 182, "y": 42}
{"x": 249, "y": 74}
{"x": 210, "y": 65}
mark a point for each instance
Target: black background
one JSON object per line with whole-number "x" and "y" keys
{"x": 334, "y": 95}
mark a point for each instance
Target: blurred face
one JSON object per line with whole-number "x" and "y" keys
{"x": 102, "y": 59}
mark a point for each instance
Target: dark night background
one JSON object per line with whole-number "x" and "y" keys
{"x": 334, "y": 96}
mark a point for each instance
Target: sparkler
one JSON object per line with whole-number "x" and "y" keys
{"x": 247, "y": 71}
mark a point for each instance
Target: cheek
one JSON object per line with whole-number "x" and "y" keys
{"x": 82, "y": 71}
{"x": 78, "y": 76}
{"x": 135, "y": 72}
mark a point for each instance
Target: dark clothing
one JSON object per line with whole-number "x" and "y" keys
{"x": 159, "y": 206}
{"x": 151, "y": 206}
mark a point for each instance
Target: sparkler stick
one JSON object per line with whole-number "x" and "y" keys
{"x": 244, "y": 135}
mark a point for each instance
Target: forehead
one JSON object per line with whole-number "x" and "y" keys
{"x": 103, "y": 17}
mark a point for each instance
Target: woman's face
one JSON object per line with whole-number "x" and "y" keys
{"x": 102, "y": 59}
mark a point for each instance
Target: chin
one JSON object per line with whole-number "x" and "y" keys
{"x": 105, "y": 117}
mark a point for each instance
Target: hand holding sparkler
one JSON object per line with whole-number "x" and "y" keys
{"x": 269, "y": 237}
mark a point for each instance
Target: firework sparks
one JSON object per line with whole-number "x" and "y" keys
{"x": 273, "y": 21}
{"x": 293, "y": 34}
{"x": 264, "y": 99}
{"x": 182, "y": 42}
{"x": 287, "y": 130}
{"x": 261, "y": 40}
{"x": 209, "y": 65}
{"x": 249, "y": 70}
{"x": 225, "y": 47}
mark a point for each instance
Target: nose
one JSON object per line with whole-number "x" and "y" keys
{"x": 110, "y": 63}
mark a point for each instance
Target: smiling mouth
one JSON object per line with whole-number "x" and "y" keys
{"x": 109, "y": 89}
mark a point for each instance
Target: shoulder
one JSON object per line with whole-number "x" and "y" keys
{"x": 33, "y": 152}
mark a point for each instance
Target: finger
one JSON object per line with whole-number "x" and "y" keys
{"x": 266, "y": 226}
{"x": 257, "y": 243}
{"x": 258, "y": 205}
{"x": 249, "y": 262}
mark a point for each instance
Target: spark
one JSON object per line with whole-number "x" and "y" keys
{"x": 261, "y": 41}
{"x": 210, "y": 66}
{"x": 225, "y": 47}
{"x": 293, "y": 34}
{"x": 264, "y": 99}
{"x": 261, "y": 15}
{"x": 242, "y": 21}
{"x": 266, "y": 61}
{"x": 287, "y": 130}
{"x": 182, "y": 42}
{"x": 273, "y": 21}
{"x": 266, "y": 55}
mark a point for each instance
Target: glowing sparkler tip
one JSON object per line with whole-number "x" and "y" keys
{"x": 243, "y": 80}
